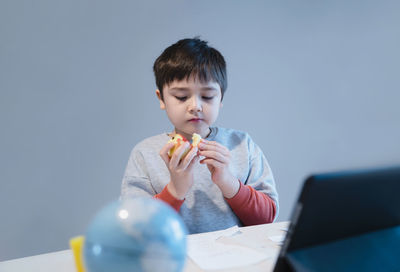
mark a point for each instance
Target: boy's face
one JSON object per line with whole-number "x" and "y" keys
{"x": 191, "y": 106}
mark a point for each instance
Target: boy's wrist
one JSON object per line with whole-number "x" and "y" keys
{"x": 172, "y": 190}
{"x": 230, "y": 187}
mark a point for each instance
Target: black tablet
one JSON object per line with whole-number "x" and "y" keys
{"x": 346, "y": 208}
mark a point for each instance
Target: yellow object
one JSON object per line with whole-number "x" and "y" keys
{"x": 179, "y": 140}
{"x": 196, "y": 138}
{"x": 76, "y": 245}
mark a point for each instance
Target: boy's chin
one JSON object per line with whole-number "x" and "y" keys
{"x": 202, "y": 132}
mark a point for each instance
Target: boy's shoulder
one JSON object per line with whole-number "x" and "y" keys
{"x": 155, "y": 142}
{"x": 231, "y": 135}
{"x": 230, "y": 132}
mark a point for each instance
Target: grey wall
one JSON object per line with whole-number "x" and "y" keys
{"x": 316, "y": 83}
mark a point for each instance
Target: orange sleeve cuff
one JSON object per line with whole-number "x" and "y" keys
{"x": 166, "y": 196}
{"x": 240, "y": 197}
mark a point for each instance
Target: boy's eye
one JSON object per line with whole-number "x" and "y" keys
{"x": 208, "y": 97}
{"x": 181, "y": 98}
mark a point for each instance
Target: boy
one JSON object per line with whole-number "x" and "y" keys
{"x": 225, "y": 180}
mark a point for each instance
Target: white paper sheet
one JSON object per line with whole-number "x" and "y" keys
{"x": 286, "y": 228}
{"x": 278, "y": 238}
{"x": 209, "y": 253}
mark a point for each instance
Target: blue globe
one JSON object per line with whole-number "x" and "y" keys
{"x": 135, "y": 234}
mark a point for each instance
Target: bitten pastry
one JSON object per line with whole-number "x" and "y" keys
{"x": 196, "y": 138}
{"x": 179, "y": 140}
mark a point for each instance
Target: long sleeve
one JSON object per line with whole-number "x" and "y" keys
{"x": 166, "y": 196}
{"x": 252, "y": 207}
{"x": 140, "y": 178}
{"x": 257, "y": 200}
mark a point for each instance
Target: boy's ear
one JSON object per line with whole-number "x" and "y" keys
{"x": 162, "y": 104}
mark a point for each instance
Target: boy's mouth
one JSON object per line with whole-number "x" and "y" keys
{"x": 195, "y": 120}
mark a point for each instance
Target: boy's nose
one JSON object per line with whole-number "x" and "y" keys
{"x": 195, "y": 105}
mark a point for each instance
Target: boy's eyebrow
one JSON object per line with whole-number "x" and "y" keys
{"x": 209, "y": 89}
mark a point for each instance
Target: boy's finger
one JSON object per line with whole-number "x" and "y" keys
{"x": 193, "y": 163}
{"x": 164, "y": 152}
{"x": 215, "y": 155}
{"x": 211, "y": 143}
{"x": 165, "y": 149}
{"x": 214, "y": 146}
{"x": 189, "y": 157}
{"x": 165, "y": 158}
{"x": 177, "y": 155}
{"x": 212, "y": 162}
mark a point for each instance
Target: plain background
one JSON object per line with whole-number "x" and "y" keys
{"x": 315, "y": 83}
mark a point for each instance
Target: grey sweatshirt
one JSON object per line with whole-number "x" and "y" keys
{"x": 204, "y": 208}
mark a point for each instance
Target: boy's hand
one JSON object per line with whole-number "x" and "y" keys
{"x": 181, "y": 170}
{"x": 218, "y": 158}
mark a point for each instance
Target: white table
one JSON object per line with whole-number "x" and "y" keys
{"x": 62, "y": 261}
